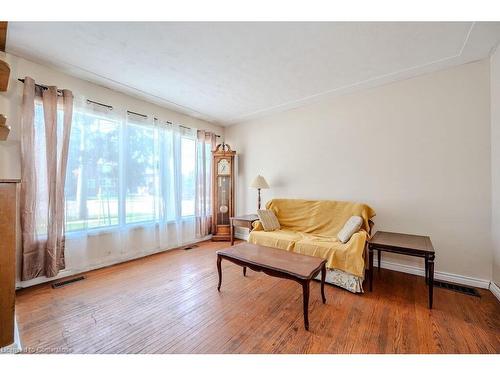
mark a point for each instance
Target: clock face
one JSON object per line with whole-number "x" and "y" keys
{"x": 223, "y": 167}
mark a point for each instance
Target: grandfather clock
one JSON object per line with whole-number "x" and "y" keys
{"x": 222, "y": 191}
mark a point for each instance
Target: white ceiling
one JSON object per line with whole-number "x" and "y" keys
{"x": 231, "y": 72}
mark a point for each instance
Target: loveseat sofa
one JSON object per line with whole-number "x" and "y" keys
{"x": 310, "y": 227}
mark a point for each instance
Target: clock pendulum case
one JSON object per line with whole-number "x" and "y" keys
{"x": 222, "y": 191}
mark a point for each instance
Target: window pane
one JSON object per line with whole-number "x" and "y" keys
{"x": 92, "y": 176}
{"x": 208, "y": 181}
{"x": 188, "y": 175}
{"x": 93, "y": 195}
{"x": 140, "y": 174}
{"x": 166, "y": 174}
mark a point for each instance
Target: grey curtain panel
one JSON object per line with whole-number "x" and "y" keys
{"x": 203, "y": 183}
{"x": 44, "y": 156}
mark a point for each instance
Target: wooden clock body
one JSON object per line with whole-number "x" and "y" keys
{"x": 222, "y": 192}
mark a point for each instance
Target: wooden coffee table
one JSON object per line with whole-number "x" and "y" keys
{"x": 278, "y": 263}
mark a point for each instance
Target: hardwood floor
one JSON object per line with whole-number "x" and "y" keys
{"x": 168, "y": 303}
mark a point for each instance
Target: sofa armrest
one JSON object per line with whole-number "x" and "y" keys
{"x": 371, "y": 223}
{"x": 257, "y": 225}
{"x": 365, "y": 254}
{"x": 356, "y": 235}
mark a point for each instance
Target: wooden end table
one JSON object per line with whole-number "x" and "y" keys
{"x": 406, "y": 244}
{"x": 278, "y": 263}
{"x": 244, "y": 221}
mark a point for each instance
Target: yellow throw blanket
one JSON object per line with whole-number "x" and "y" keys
{"x": 310, "y": 227}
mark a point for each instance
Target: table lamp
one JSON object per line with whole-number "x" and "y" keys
{"x": 258, "y": 183}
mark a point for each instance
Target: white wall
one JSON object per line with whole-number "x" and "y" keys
{"x": 495, "y": 162}
{"x": 93, "y": 251}
{"x": 417, "y": 151}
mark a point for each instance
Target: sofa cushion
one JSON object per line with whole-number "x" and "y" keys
{"x": 350, "y": 227}
{"x": 280, "y": 239}
{"x": 268, "y": 220}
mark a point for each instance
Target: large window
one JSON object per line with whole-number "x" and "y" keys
{"x": 188, "y": 175}
{"x": 124, "y": 172}
{"x": 92, "y": 177}
{"x": 140, "y": 172}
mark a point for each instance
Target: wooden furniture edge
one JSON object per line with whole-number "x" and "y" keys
{"x": 240, "y": 219}
{"x": 249, "y": 262}
{"x": 3, "y": 34}
{"x": 8, "y": 217}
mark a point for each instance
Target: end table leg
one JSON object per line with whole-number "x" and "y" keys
{"x": 232, "y": 233}
{"x": 323, "y": 277}
{"x": 219, "y": 270}
{"x": 244, "y": 271}
{"x": 379, "y": 255}
{"x": 370, "y": 272}
{"x": 431, "y": 280}
{"x": 426, "y": 269}
{"x": 305, "y": 292}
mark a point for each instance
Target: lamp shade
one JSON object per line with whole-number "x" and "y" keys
{"x": 259, "y": 182}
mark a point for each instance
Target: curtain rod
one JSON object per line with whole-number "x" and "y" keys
{"x": 44, "y": 87}
{"x": 137, "y": 114}
{"x": 169, "y": 122}
{"x": 102, "y": 105}
{"x": 156, "y": 118}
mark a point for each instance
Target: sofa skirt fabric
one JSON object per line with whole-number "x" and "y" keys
{"x": 344, "y": 280}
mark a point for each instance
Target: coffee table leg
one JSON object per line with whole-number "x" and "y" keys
{"x": 323, "y": 277}
{"x": 244, "y": 271}
{"x": 219, "y": 270}
{"x": 431, "y": 280}
{"x": 305, "y": 292}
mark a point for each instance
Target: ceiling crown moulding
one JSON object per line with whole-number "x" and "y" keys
{"x": 231, "y": 73}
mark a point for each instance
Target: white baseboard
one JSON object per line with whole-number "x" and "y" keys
{"x": 495, "y": 289}
{"x": 414, "y": 270}
{"x": 438, "y": 275}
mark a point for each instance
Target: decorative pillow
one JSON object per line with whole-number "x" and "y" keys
{"x": 351, "y": 226}
{"x": 268, "y": 219}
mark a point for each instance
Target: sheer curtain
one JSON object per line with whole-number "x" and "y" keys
{"x": 46, "y": 126}
{"x": 168, "y": 148}
{"x": 132, "y": 184}
{"x": 93, "y": 172}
